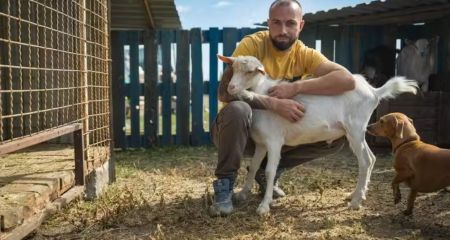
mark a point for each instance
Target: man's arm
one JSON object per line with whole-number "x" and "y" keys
{"x": 332, "y": 79}
{"x": 287, "y": 108}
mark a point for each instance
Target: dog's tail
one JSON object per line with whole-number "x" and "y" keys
{"x": 396, "y": 86}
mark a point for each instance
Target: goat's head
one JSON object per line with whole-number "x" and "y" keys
{"x": 247, "y": 72}
{"x": 422, "y": 46}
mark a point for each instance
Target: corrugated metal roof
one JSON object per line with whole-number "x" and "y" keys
{"x": 383, "y": 12}
{"x": 142, "y": 14}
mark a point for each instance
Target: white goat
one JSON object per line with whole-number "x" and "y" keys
{"x": 417, "y": 60}
{"x": 327, "y": 118}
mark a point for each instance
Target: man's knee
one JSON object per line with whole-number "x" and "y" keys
{"x": 237, "y": 110}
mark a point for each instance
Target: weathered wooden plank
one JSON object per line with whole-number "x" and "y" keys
{"x": 151, "y": 89}
{"x": 213, "y": 71}
{"x": 197, "y": 87}
{"x": 344, "y": 49}
{"x": 328, "y": 36}
{"x": 134, "y": 89}
{"x": 308, "y": 36}
{"x": 415, "y": 112}
{"x": 80, "y": 158}
{"x": 35, "y": 221}
{"x": 428, "y": 99}
{"x": 166, "y": 36}
{"x": 117, "y": 88}
{"x": 38, "y": 138}
{"x": 443, "y": 120}
{"x": 356, "y": 47}
{"x": 182, "y": 87}
{"x": 230, "y": 38}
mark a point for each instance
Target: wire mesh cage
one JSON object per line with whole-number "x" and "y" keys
{"x": 54, "y": 70}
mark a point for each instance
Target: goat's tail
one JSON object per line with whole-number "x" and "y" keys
{"x": 396, "y": 86}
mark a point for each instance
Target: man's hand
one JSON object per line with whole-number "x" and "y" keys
{"x": 288, "y": 108}
{"x": 283, "y": 90}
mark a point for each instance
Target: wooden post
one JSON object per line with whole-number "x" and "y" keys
{"x": 80, "y": 158}
{"x": 117, "y": 89}
{"x": 182, "y": 87}
{"x": 85, "y": 80}
{"x": 135, "y": 91}
{"x": 151, "y": 88}
{"x": 166, "y": 41}
{"x": 197, "y": 92}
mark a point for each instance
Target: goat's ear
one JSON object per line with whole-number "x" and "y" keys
{"x": 399, "y": 128}
{"x": 408, "y": 42}
{"x": 261, "y": 70}
{"x": 228, "y": 60}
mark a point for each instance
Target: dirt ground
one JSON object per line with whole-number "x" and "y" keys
{"x": 164, "y": 194}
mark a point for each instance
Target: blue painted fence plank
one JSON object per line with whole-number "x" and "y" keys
{"x": 135, "y": 89}
{"x": 151, "y": 95}
{"x": 213, "y": 71}
{"x": 118, "y": 68}
{"x": 197, "y": 87}
{"x": 182, "y": 86}
{"x": 166, "y": 38}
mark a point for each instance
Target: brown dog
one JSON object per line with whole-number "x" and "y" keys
{"x": 423, "y": 167}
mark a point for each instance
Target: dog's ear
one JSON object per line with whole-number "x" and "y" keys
{"x": 410, "y": 120}
{"x": 399, "y": 128}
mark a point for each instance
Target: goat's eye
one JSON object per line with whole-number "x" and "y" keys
{"x": 382, "y": 121}
{"x": 250, "y": 72}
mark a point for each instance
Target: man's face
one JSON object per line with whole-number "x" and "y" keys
{"x": 285, "y": 23}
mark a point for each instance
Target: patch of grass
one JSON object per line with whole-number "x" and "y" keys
{"x": 164, "y": 193}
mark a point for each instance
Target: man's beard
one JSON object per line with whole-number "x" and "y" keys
{"x": 282, "y": 45}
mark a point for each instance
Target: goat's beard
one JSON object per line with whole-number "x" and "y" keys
{"x": 282, "y": 46}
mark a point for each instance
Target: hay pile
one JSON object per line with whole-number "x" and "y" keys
{"x": 164, "y": 194}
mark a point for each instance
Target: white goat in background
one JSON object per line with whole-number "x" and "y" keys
{"x": 327, "y": 118}
{"x": 417, "y": 60}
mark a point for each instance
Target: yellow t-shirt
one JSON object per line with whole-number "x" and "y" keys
{"x": 289, "y": 65}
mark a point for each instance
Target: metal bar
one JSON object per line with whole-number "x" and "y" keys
{"x": 38, "y": 138}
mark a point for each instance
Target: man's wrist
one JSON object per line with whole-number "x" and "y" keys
{"x": 273, "y": 103}
{"x": 298, "y": 87}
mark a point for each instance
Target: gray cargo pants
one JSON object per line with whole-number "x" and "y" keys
{"x": 231, "y": 135}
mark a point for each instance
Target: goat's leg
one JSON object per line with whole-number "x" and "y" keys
{"x": 372, "y": 160}
{"x": 258, "y": 156}
{"x": 273, "y": 158}
{"x": 357, "y": 145}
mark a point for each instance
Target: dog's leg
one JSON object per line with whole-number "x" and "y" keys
{"x": 396, "y": 192}
{"x": 411, "y": 199}
{"x": 399, "y": 178}
{"x": 258, "y": 156}
{"x": 273, "y": 158}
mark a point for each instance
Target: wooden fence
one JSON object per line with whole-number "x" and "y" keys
{"x": 344, "y": 44}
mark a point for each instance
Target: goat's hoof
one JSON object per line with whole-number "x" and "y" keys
{"x": 263, "y": 209}
{"x": 407, "y": 212}
{"x": 349, "y": 197}
{"x": 240, "y": 197}
{"x": 397, "y": 199}
{"x": 354, "y": 205}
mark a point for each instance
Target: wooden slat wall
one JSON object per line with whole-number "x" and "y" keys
{"x": 346, "y": 43}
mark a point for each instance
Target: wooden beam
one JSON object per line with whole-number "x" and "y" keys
{"x": 425, "y": 12}
{"x": 38, "y": 138}
{"x": 149, "y": 14}
{"x": 34, "y": 222}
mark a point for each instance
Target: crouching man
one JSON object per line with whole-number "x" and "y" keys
{"x": 283, "y": 57}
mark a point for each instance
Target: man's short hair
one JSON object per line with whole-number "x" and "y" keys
{"x": 277, "y": 3}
